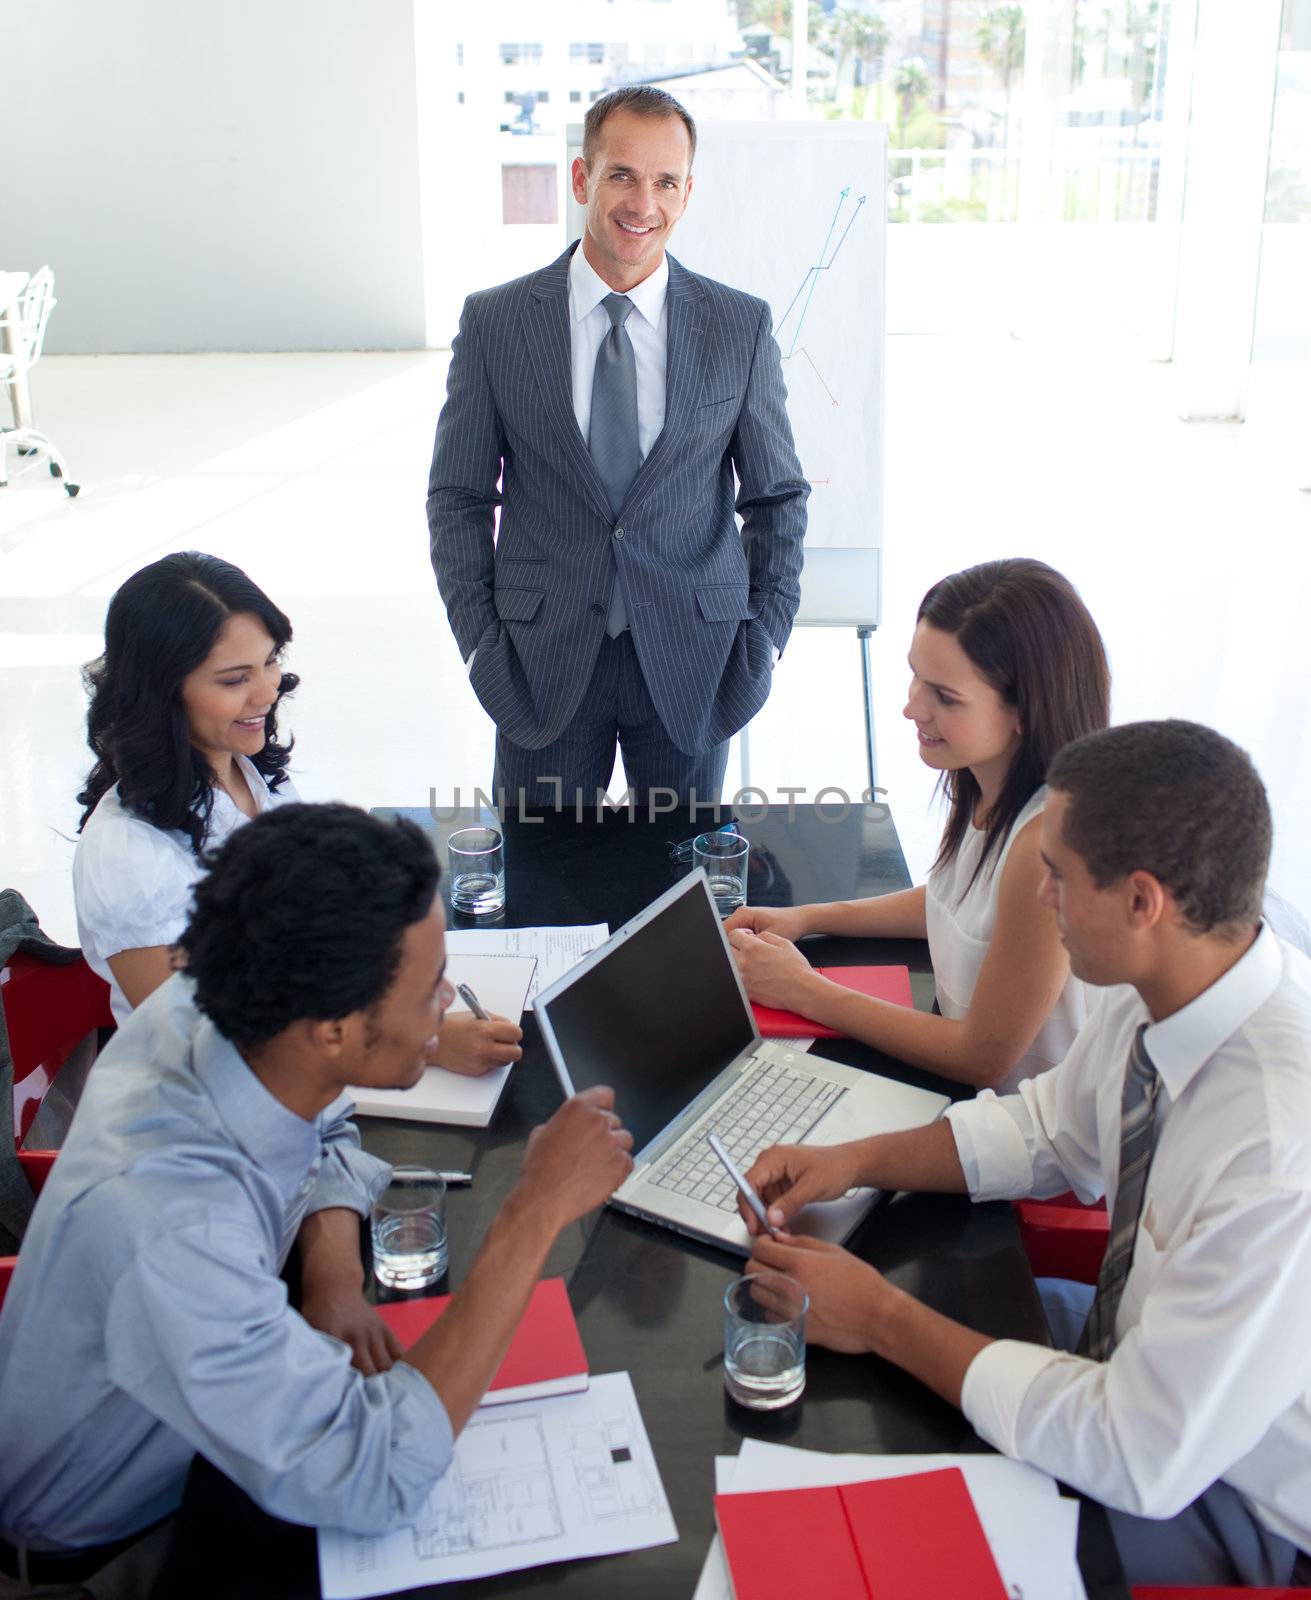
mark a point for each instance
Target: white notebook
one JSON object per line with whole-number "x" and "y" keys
{"x": 501, "y": 984}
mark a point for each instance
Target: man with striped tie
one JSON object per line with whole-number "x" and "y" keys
{"x": 1182, "y": 1395}
{"x": 617, "y": 410}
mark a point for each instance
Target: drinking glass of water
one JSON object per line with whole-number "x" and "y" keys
{"x": 477, "y": 859}
{"x": 765, "y": 1340}
{"x": 410, "y": 1248}
{"x": 724, "y": 856}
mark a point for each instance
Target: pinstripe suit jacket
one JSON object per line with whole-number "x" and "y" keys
{"x": 706, "y": 604}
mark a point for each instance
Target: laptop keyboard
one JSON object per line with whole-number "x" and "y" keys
{"x": 773, "y": 1105}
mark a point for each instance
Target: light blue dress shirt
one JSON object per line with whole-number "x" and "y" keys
{"x": 147, "y": 1322}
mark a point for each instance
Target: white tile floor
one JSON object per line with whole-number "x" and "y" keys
{"x": 1190, "y": 544}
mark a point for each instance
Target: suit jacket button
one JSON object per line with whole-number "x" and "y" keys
{"x": 598, "y": 608}
{"x": 619, "y": 533}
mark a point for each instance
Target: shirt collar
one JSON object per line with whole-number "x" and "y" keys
{"x": 587, "y": 289}
{"x": 275, "y": 1139}
{"x": 1181, "y": 1044}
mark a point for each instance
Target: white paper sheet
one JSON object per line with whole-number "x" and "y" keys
{"x": 556, "y": 950}
{"x": 531, "y": 1483}
{"x": 714, "y": 1582}
{"x": 1031, "y": 1529}
{"x": 501, "y": 983}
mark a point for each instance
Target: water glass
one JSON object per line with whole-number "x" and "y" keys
{"x": 724, "y": 856}
{"x": 477, "y": 860}
{"x": 410, "y": 1248}
{"x": 765, "y": 1340}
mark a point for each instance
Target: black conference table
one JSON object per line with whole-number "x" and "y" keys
{"x": 649, "y": 1302}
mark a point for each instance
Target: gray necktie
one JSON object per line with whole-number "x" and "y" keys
{"x": 612, "y": 435}
{"x": 1137, "y": 1144}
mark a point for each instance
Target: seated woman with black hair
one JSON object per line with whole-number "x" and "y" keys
{"x": 1007, "y": 666}
{"x": 183, "y": 723}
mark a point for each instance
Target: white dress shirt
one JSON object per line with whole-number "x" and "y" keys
{"x": 589, "y": 323}
{"x": 961, "y": 916}
{"x": 132, "y": 881}
{"x": 1210, "y": 1377}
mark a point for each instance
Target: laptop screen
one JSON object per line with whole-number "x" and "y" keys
{"x": 657, "y": 1017}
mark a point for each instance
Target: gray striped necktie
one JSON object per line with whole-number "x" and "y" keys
{"x": 1137, "y": 1144}
{"x": 612, "y": 435}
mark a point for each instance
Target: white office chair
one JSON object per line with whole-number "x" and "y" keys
{"x": 22, "y": 334}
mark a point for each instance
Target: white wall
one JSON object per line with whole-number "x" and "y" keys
{"x": 235, "y": 176}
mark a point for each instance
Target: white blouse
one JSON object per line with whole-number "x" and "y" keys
{"x": 132, "y": 881}
{"x": 960, "y": 926}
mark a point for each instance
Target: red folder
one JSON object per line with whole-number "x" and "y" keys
{"x": 921, "y": 1535}
{"x": 545, "y": 1357}
{"x": 786, "y": 1543}
{"x": 891, "y": 1539}
{"x": 882, "y": 983}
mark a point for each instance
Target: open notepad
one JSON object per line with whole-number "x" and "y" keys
{"x": 501, "y": 984}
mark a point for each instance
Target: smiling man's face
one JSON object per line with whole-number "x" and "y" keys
{"x": 635, "y": 191}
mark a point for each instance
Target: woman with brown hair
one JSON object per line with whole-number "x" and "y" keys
{"x": 1007, "y": 666}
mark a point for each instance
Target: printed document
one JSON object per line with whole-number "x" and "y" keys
{"x": 530, "y": 1483}
{"x": 556, "y": 950}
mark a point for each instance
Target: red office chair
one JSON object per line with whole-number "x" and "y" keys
{"x": 1063, "y": 1238}
{"x": 48, "y": 1010}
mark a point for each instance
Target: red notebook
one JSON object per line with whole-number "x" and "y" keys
{"x": 883, "y": 983}
{"x": 545, "y": 1357}
{"x": 891, "y": 1539}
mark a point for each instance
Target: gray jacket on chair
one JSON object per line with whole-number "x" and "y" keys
{"x": 707, "y": 604}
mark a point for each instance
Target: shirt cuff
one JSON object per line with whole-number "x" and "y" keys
{"x": 996, "y": 1382}
{"x": 991, "y": 1147}
{"x": 422, "y": 1442}
{"x": 468, "y": 663}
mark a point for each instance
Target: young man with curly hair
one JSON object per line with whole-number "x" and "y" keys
{"x": 147, "y": 1321}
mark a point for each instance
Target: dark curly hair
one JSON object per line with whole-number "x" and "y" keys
{"x": 1032, "y": 638}
{"x": 301, "y": 917}
{"x": 161, "y": 625}
{"x": 1179, "y": 801}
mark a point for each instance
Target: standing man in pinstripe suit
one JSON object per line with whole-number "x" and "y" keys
{"x": 606, "y": 405}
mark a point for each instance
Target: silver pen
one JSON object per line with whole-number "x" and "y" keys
{"x": 471, "y": 1000}
{"x": 748, "y": 1193}
{"x": 449, "y": 1178}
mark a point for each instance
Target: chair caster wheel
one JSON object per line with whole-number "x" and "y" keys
{"x": 72, "y": 490}
{"x": 56, "y": 471}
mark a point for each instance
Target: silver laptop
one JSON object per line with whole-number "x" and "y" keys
{"x": 659, "y": 1013}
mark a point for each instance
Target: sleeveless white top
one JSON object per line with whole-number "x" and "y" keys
{"x": 132, "y": 881}
{"x": 960, "y": 930}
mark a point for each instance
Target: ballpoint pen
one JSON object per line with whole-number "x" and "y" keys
{"x": 744, "y": 1188}
{"x": 449, "y": 1178}
{"x": 471, "y": 1000}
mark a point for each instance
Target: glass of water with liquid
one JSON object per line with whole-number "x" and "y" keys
{"x": 477, "y": 860}
{"x": 724, "y": 856}
{"x": 765, "y": 1340}
{"x": 410, "y": 1248}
